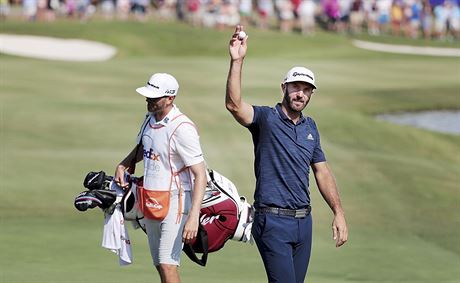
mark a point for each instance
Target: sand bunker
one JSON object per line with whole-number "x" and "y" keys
{"x": 51, "y": 48}
{"x": 406, "y": 49}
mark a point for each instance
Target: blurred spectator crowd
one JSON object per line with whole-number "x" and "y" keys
{"x": 431, "y": 19}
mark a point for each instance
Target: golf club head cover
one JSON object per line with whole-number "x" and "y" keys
{"x": 106, "y": 197}
{"x": 94, "y": 180}
{"x": 86, "y": 200}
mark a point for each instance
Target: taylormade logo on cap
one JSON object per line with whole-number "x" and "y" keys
{"x": 300, "y": 74}
{"x": 295, "y": 74}
{"x": 159, "y": 85}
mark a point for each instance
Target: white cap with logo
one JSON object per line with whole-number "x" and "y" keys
{"x": 300, "y": 74}
{"x": 159, "y": 85}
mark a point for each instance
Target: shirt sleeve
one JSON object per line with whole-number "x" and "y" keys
{"x": 188, "y": 146}
{"x": 256, "y": 120}
{"x": 142, "y": 129}
{"x": 257, "y": 114}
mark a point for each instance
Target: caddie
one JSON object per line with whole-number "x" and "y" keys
{"x": 286, "y": 145}
{"x": 174, "y": 175}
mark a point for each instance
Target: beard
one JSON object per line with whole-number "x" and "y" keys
{"x": 294, "y": 105}
{"x": 151, "y": 108}
{"x": 154, "y": 107}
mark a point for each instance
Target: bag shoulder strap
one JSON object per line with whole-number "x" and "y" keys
{"x": 202, "y": 241}
{"x": 132, "y": 166}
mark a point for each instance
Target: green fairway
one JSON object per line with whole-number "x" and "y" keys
{"x": 400, "y": 186}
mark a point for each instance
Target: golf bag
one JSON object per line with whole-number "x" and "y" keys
{"x": 224, "y": 214}
{"x": 104, "y": 193}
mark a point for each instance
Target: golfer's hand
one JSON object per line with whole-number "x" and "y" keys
{"x": 339, "y": 229}
{"x": 190, "y": 229}
{"x": 237, "y": 47}
{"x": 120, "y": 176}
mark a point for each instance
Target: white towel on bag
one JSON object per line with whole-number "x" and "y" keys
{"x": 116, "y": 237}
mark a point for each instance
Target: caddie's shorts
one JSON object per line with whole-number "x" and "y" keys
{"x": 165, "y": 237}
{"x": 284, "y": 243}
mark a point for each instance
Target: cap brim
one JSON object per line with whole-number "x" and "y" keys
{"x": 306, "y": 81}
{"x": 148, "y": 92}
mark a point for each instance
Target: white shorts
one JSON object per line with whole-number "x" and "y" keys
{"x": 165, "y": 237}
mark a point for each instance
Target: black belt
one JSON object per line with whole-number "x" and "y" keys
{"x": 296, "y": 213}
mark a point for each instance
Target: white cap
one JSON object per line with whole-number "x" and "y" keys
{"x": 300, "y": 74}
{"x": 159, "y": 85}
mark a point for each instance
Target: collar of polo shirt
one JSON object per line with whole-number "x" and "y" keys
{"x": 283, "y": 116}
{"x": 172, "y": 113}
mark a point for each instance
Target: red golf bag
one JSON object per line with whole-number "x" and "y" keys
{"x": 224, "y": 216}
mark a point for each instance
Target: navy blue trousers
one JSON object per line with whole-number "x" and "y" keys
{"x": 284, "y": 243}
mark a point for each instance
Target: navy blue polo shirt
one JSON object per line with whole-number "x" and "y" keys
{"x": 283, "y": 155}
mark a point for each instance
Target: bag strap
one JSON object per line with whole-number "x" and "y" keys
{"x": 202, "y": 241}
{"x": 132, "y": 165}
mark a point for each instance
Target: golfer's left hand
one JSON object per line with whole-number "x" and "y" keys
{"x": 190, "y": 229}
{"x": 339, "y": 229}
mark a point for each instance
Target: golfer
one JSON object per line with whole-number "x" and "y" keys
{"x": 174, "y": 175}
{"x": 286, "y": 145}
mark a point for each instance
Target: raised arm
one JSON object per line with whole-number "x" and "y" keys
{"x": 242, "y": 111}
{"x": 328, "y": 189}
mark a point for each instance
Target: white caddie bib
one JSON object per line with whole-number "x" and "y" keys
{"x": 164, "y": 169}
